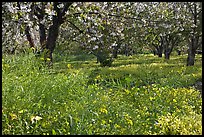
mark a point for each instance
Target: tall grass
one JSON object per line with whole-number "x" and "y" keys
{"x": 140, "y": 94}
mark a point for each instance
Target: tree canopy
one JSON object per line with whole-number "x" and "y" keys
{"x": 104, "y": 29}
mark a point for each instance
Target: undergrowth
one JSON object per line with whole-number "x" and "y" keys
{"x": 140, "y": 94}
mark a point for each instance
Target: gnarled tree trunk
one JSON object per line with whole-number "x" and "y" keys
{"x": 191, "y": 52}
{"x": 51, "y": 40}
{"x": 42, "y": 36}
{"x": 167, "y": 55}
{"x": 159, "y": 51}
{"x": 190, "y": 59}
{"x": 48, "y": 44}
{"x": 194, "y": 39}
{"x": 29, "y": 38}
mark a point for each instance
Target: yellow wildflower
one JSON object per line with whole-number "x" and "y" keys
{"x": 13, "y": 116}
{"x": 129, "y": 121}
{"x": 98, "y": 76}
{"x": 94, "y": 101}
{"x": 69, "y": 66}
{"x": 151, "y": 98}
{"x": 103, "y": 110}
{"x": 103, "y": 122}
{"x": 127, "y": 91}
{"x": 116, "y": 126}
{"x": 174, "y": 100}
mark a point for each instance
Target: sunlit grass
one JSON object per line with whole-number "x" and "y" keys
{"x": 77, "y": 96}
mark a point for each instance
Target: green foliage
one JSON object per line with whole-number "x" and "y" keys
{"x": 185, "y": 125}
{"x": 139, "y": 94}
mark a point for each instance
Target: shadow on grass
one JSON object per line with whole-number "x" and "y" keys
{"x": 147, "y": 60}
{"x": 89, "y": 61}
{"x": 82, "y": 56}
{"x": 133, "y": 70}
{"x": 77, "y": 61}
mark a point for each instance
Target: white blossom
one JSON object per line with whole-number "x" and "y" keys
{"x": 74, "y": 4}
{"x": 95, "y": 47}
{"x": 113, "y": 34}
{"x": 60, "y": 5}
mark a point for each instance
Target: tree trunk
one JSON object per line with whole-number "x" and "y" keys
{"x": 49, "y": 43}
{"x": 191, "y": 53}
{"x": 42, "y": 36}
{"x": 154, "y": 52}
{"x": 51, "y": 40}
{"x": 179, "y": 52}
{"x": 190, "y": 59}
{"x": 103, "y": 58}
{"x": 115, "y": 51}
{"x": 167, "y": 55}
{"x": 159, "y": 51}
{"x": 27, "y": 29}
{"x": 54, "y": 30}
{"x": 160, "y": 48}
{"x": 160, "y": 54}
{"x": 194, "y": 38}
{"x": 29, "y": 38}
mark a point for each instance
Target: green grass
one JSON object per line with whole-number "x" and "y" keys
{"x": 140, "y": 94}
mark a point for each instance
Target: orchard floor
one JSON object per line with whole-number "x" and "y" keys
{"x": 137, "y": 95}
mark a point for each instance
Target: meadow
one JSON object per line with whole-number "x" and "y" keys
{"x": 138, "y": 95}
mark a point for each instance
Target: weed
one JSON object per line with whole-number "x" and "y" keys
{"x": 138, "y": 95}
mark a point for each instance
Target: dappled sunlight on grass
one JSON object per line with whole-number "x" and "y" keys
{"x": 76, "y": 96}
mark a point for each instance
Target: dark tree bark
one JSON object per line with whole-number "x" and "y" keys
{"x": 191, "y": 52}
{"x": 27, "y": 29}
{"x": 160, "y": 50}
{"x": 29, "y": 38}
{"x": 103, "y": 58}
{"x": 116, "y": 48}
{"x": 194, "y": 40}
{"x": 42, "y": 36}
{"x": 127, "y": 50}
{"x": 154, "y": 52}
{"x": 54, "y": 28}
{"x": 39, "y": 12}
{"x": 190, "y": 58}
{"x": 48, "y": 43}
{"x": 167, "y": 55}
{"x": 51, "y": 40}
{"x": 115, "y": 52}
{"x": 166, "y": 44}
{"x": 170, "y": 42}
{"x": 194, "y": 43}
{"x": 179, "y": 52}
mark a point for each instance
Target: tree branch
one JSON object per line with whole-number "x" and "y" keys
{"x": 80, "y": 31}
{"x": 119, "y": 16}
{"x": 27, "y": 29}
{"x": 66, "y": 6}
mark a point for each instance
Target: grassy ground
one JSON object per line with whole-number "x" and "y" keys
{"x": 140, "y": 94}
